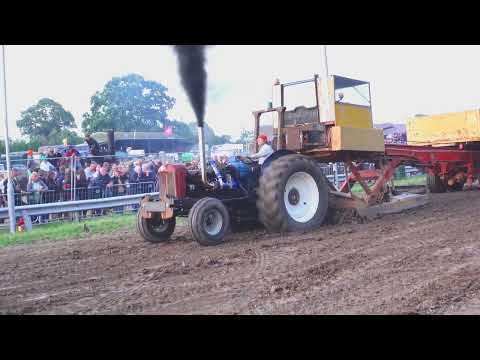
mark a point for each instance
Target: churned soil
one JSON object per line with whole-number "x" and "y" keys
{"x": 424, "y": 261}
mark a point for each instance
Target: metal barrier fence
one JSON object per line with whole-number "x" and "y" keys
{"x": 62, "y": 174}
{"x": 41, "y": 213}
{"x": 67, "y": 179}
{"x": 84, "y": 193}
{"x": 335, "y": 173}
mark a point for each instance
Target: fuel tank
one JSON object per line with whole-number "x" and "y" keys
{"x": 244, "y": 172}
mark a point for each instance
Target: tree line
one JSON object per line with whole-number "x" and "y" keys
{"x": 127, "y": 103}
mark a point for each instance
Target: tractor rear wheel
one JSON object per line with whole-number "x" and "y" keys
{"x": 292, "y": 195}
{"x": 209, "y": 221}
{"x": 435, "y": 184}
{"x": 155, "y": 229}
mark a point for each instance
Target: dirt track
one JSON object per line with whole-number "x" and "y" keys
{"x": 424, "y": 261}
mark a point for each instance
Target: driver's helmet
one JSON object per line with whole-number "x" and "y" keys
{"x": 263, "y": 137}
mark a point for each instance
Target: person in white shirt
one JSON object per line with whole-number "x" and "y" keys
{"x": 264, "y": 150}
{"x": 91, "y": 171}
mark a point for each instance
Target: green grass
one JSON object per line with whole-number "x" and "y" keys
{"x": 63, "y": 231}
{"x": 408, "y": 181}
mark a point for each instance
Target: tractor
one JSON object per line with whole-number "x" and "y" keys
{"x": 288, "y": 192}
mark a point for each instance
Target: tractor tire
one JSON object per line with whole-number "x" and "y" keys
{"x": 292, "y": 195}
{"x": 155, "y": 230}
{"x": 209, "y": 221}
{"x": 435, "y": 184}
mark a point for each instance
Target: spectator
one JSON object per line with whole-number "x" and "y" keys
{"x": 45, "y": 165}
{"x": 16, "y": 184}
{"x": 67, "y": 185}
{"x": 120, "y": 184}
{"x": 81, "y": 185}
{"x": 61, "y": 173}
{"x": 136, "y": 163}
{"x": 93, "y": 146}
{"x": 106, "y": 165}
{"x": 156, "y": 166}
{"x": 113, "y": 169}
{"x": 71, "y": 151}
{"x": 53, "y": 187}
{"x": 134, "y": 180}
{"x": 36, "y": 187}
{"x": 53, "y": 157}
{"x": 147, "y": 178}
{"x": 91, "y": 171}
{"x": 104, "y": 182}
{"x": 120, "y": 181}
{"x": 194, "y": 165}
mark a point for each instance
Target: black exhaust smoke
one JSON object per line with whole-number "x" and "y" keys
{"x": 191, "y": 64}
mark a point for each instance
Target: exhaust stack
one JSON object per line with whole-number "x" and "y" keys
{"x": 191, "y": 66}
{"x": 201, "y": 147}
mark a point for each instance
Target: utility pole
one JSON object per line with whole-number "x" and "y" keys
{"x": 10, "y": 192}
{"x": 324, "y": 81}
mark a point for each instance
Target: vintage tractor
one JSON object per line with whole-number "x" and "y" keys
{"x": 289, "y": 191}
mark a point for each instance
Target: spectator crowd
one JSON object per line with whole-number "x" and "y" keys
{"x": 55, "y": 176}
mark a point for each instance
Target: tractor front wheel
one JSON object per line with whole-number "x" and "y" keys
{"x": 209, "y": 221}
{"x": 155, "y": 229}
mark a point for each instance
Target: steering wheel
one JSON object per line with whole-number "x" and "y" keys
{"x": 245, "y": 159}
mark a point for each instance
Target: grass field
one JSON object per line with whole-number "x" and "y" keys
{"x": 62, "y": 231}
{"x": 408, "y": 181}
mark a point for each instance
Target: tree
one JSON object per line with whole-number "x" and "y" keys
{"x": 47, "y": 122}
{"x": 128, "y": 103}
{"x": 246, "y": 137}
{"x": 20, "y": 145}
{"x": 224, "y": 139}
{"x": 210, "y": 137}
{"x": 189, "y": 133}
{"x": 183, "y": 130}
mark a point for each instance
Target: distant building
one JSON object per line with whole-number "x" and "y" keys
{"x": 229, "y": 149}
{"x": 150, "y": 142}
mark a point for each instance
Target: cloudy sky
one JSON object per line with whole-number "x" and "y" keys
{"x": 405, "y": 80}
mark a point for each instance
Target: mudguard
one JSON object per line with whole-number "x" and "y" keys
{"x": 276, "y": 155}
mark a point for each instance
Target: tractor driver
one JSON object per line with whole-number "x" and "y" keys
{"x": 264, "y": 151}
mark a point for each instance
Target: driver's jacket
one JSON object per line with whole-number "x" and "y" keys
{"x": 264, "y": 152}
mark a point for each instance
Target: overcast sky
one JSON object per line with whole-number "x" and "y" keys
{"x": 405, "y": 80}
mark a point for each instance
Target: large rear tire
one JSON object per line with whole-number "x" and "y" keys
{"x": 435, "y": 184}
{"x": 292, "y": 195}
{"x": 209, "y": 221}
{"x": 155, "y": 230}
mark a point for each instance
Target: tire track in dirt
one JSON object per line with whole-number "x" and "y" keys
{"x": 422, "y": 261}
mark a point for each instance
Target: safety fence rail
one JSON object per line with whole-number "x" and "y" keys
{"x": 30, "y": 213}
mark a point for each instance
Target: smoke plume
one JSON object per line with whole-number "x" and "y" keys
{"x": 191, "y": 64}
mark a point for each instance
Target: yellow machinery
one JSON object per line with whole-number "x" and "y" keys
{"x": 341, "y": 121}
{"x": 444, "y": 129}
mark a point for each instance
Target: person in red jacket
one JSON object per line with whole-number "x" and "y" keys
{"x": 71, "y": 151}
